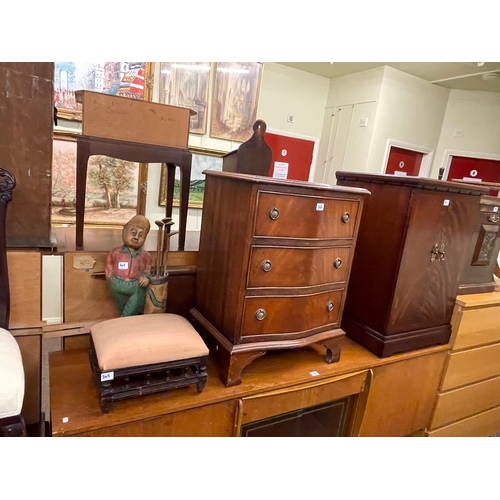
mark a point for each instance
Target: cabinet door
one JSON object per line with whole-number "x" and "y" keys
{"x": 439, "y": 229}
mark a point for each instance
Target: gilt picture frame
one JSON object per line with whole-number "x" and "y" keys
{"x": 127, "y": 79}
{"x": 235, "y": 100}
{"x": 187, "y": 85}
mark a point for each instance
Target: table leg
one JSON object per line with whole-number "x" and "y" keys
{"x": 82, "y": 157}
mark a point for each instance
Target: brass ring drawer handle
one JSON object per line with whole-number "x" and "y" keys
{"x": 274, "y": 213}
{"x": 260, "y": 314}
{"x": 337, "y": 263}
{"x": 266, "y": 265}
{"x": 494, "y": 218}
{"x": 329, "y": 306}
{"x": 345, "y": 217}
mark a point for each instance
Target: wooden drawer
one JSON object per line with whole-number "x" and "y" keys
{"x": 298, "y": 267}
{"x": 469, "y": 400}
{"x": 470, "y": 366}
{"x": 477, "y": 326}
{"x": 273, "y": 403}
{"x": 482, "y": 424}
{"x": 292, "y": 314}
{"x": 304, "y": 216}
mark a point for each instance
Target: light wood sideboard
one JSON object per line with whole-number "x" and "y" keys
{"x": 468, "y": 402}
{"x": 375, "y": 397}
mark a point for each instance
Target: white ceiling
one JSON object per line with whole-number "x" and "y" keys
{"x": 452, "y": 75}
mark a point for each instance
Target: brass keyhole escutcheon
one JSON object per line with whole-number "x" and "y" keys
{"x": 437, "y": 252}
{"x": 329, "y": 306}
{"x": 266, "y": 265}
{"x": 260, "y": 314}
{"x": 337, "y": 263}
{"x": 345, "y": 217}
{"x": 274, "y": 213}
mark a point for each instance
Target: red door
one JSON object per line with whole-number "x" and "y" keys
{"x": 478, "y": 169}
{"x": 403, "y": 162}
{"x": 292, "y": 157}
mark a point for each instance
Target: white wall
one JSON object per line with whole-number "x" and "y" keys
{"x": 410, "y": 112}
{"x": 361, "y": 91}
{"x": 471, "y": 126}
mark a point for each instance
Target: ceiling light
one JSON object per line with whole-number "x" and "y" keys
{"x": 488, "y": 77}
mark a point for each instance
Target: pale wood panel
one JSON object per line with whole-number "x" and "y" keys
{"x": 31, "y": 352}
{"x": 483, "y": 424}
{"x": 479, "y": 299}
{"x": 86, "y": 298}
{"x": 216, "y": 420}
{"x": 461, "y": 403}
{"x": 294, "y": 398}
{"x": 477, "y": 326}
{"x": 402, "y": 396}
{"x": 25, "y": 284}
{"x": 89, "y": 299}
{"x": 470, "y": 366}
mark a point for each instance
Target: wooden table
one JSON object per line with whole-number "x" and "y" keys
{"x": 404, "y": 384}
{"x": 136, "y": 152}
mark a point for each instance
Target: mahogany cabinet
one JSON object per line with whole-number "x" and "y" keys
{"x": 273, "y": 266}
{"x": 412, "y": 246}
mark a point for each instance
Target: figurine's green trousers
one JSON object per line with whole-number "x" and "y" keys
{"x": 129, "y": 297}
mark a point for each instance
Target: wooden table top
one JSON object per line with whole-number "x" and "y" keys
{"x": 74, "y": 398}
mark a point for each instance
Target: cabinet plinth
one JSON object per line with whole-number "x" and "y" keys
{"x": 412, "y": 245}
{"x": 273, "y": 267}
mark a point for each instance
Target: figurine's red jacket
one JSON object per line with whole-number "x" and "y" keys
{"x": 128, "y": 264}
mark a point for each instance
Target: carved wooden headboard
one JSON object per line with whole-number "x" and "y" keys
{"x": 7, "y": 185}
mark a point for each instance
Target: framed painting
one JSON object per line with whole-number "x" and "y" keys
{"x": 127, "y": 79}
{"x": 113, "y": 189}
{"x": 186, "y": 84}
{"x": 203, "y": 159}
{"x": 235, "y": 100}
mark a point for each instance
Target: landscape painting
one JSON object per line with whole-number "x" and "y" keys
{"x": 200, "y": 163}
{"x": 112, "y": 187}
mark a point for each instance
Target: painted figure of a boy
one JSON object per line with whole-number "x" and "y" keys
{"x": 128, "y": 268}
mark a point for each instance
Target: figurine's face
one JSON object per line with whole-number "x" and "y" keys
{"x": 134, "y": 236}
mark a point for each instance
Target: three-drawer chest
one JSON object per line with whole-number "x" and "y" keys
{"x": 273, "y": 265}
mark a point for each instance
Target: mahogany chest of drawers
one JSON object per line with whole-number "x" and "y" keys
{"x": 273, "y": 265}
{"x": 412, "y": 246}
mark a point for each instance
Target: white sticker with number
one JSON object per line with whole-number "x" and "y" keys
{"x": 320, "y": 207}
{"x": 107, "y": 376}
{"x": 446, "y": 203}
{"x": 495, "y": 209}
{"x": 122, "y": 265}
{"x": 313, "y": 374}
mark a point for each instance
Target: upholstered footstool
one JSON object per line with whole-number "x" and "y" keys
{"x": 136, "y": 355}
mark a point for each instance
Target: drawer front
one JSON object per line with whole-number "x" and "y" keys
{"x": 291, "y": 314}
{"x": 292, "y": 216}
{"x": 469, "y": 400}
{"x": 298, "y": 267}
{"x": 270, "y": 404}
{"x": 470, "y": 366}
{"x": 477, "y": 326}
{"x": 480, "y": 425}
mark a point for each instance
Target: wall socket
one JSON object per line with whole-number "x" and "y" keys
{"x": 289, "y": 118}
